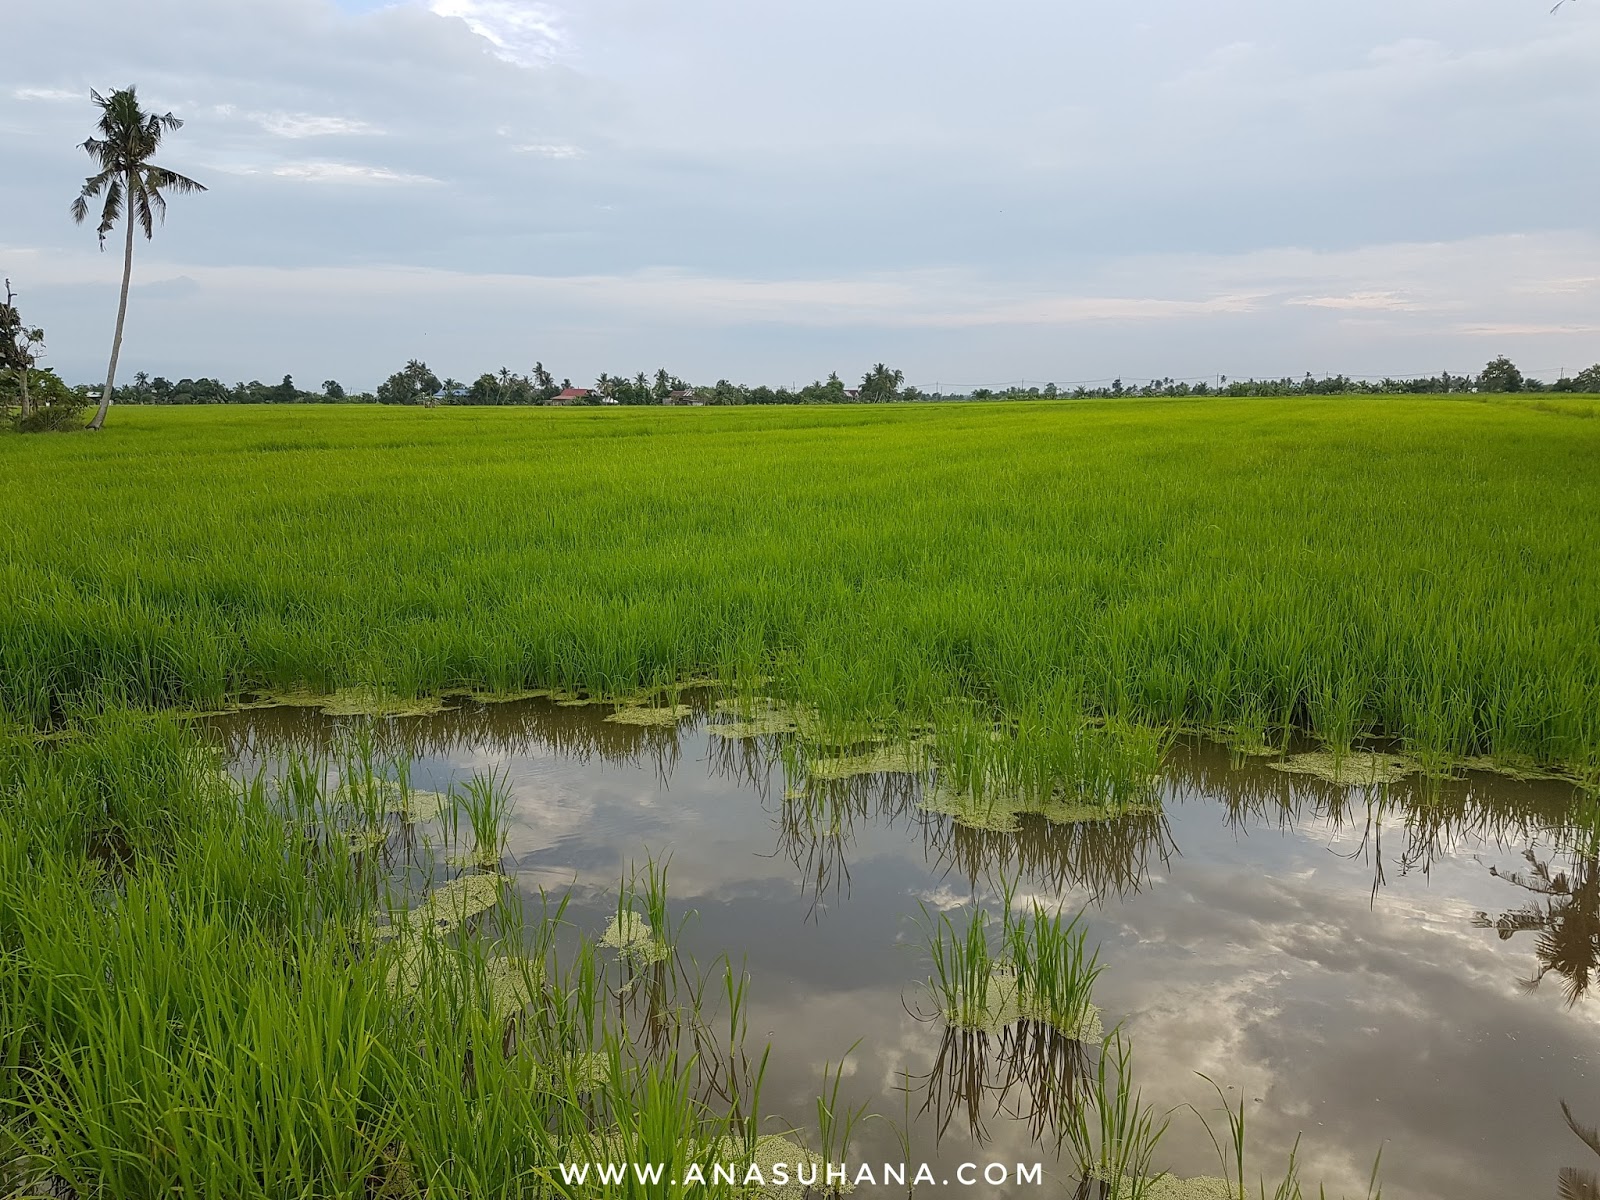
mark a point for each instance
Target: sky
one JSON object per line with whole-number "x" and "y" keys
{"x": 769, "y": 190}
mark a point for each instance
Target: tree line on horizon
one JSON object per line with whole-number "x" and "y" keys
{"x": 416, "y": 384}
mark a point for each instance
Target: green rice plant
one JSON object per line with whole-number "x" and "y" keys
{"x": 1232, "y": 1157}
{"x": 214, "y": 1012}
{"x": 486, "y": 800}
{"x": 1055, "y": 969}
{"x": 836, "y": 1121}
{"x": 1418, "y": 568}
{"x": 1050, "y": 760}
{"x": 963, "y": 962}
{"x": 1112, "y": 1134}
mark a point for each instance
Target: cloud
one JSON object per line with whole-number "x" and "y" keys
{"x": 330, "y": 172}
{"x": 779, "y": 190}
{"x": 522, "y": 33}
{"x": 1375, "y": 301}
{"x": 341, "y": 172}
{"x": 304, "y": 125}
{"x": 549, "y": 150}
{"x": 45, "y": 93}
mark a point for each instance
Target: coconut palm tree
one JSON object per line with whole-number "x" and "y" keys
{"x": 132, "y": 187}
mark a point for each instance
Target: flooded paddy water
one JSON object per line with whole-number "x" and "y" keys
{"x": 1353, "y": 963}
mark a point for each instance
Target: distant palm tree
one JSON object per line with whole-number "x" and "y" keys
{"x": 129, "y": 136}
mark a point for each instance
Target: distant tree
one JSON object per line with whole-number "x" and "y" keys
{"x": 881, "y": 385}
{"x": 1586, "y": 380}
{"x": 55, "y": 406}
{"x": 1501, "y": 375}
{"x": 19, "y": 348}
{"x": 409, "y": 385}
{"x": 662, "y": 387}
{"x": 489, "y": 389}
{"x": 332, "y": 390}
{"x": 544, "y": 383}
{"x": 132, "y": 186}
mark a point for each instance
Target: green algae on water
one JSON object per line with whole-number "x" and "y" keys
{"x": 446, "y": 908}
{"x": 512, "y": 984}
{"x": 420, "y": 807}
{"x": 631, "y": 936}
{"x": 666, "y": 716}
{"x": 908, "y": 759}
{"x": 1170, "y": 1187}
{"x": 1001, "y": 810}
{"x": 364, "y": 841}
{"x": 1353, "y": 768}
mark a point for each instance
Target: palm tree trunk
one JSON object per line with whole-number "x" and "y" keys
{"x": 122, "y": 313}
{"x": 26, "y": 407}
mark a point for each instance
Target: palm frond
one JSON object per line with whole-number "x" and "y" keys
{"x": 131, "y": 183}
{"x": 181, "y": 184}
{"x": 1573, "y": 1184}
{"x": 142, "y": 210}
{"x": 1587, "y": 1134}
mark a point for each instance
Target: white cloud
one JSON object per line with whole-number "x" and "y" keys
{"x": 304, "y": 125}
{"x": 44, "y": 93}
{"x": 343, "y": 172}
{"x": 520, "y": 32}
{"x": 1375, "y": 301}
{"x": 549, "y": 150}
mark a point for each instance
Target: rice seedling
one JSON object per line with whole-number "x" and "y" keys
{"x": 229, "y": 1006}
{"x": 1112, "y": 1134}
{"x": 963, "y": 980}
{"x": 1032, "y": 968}
{"x": 1232, "y": 1154}
{"x": 1055, "y": 971}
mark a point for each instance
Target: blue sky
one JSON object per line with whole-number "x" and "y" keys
{"x": 979, "y": 194}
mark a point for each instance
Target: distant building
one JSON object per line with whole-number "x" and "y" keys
{"x": 683, "y": 396}
{"x": 571, "y": 396}
{"x": 456, "y": 393}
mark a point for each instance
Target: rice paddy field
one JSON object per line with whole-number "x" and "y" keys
{"x": 1423, "y": 569}
{"x": 1195, "y": 798}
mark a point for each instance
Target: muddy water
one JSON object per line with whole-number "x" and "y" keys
{"x": 1356, "y": 966}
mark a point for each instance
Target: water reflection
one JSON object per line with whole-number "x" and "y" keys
{"x": 1028, "y": 1072}
{"x": 1316, "y": 946}
{"x": 1566, "y": 922}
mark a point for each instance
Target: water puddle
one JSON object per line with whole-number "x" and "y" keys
{"x": 1391, "y": 963}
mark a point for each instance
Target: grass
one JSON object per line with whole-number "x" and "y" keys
{"x": 1418, "y": 568}
{"x": 206, "y": 993}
